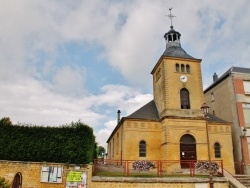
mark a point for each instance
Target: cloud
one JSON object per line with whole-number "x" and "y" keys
{"x": 127, "y": 106}
{"x": 43, "y": 82}
{"x": 69, "y": 80}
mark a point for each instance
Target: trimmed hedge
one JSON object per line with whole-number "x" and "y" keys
{"x": 74, "y": 143}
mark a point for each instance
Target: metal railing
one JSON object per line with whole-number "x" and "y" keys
{"x": 156, "y": 168}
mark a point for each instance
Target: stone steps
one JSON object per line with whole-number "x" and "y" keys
{"x": 244, "y": 179}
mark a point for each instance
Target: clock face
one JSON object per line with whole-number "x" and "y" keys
{"x": 183, "y": 78}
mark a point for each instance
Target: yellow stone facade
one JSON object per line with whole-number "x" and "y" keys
{"x": 167, "y": 86}
{"x": 163, "y": 140}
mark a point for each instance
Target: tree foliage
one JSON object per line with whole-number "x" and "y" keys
{"x": 5, "y": 121}
{"x": 74, "y": 143}
{"x": 100, "y": 151}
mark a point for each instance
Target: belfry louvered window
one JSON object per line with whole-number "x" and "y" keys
{"x": 177, "y": 67}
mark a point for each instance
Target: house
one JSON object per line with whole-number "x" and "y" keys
{"x": 172, "y": 126}
{"x": 229, "y": 98}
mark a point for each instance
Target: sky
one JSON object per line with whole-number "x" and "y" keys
{"x": 64, "y": 61}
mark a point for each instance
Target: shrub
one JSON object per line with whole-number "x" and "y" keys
{"x": 4, "y": 183}
{"x": 204, "y": 165}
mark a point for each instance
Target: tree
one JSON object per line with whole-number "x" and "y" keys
{"x": 100, "y": 151}
{"x": 4, "y": 183}
{"x": 5, "y": 121}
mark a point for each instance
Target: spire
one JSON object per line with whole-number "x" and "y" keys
{"x": 172, "y": 37}
{"x": 171, "y": 16}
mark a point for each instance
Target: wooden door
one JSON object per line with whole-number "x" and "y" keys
{"x": 187, "y": 151}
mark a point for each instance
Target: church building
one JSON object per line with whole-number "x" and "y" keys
{"x": 172, "y": 126}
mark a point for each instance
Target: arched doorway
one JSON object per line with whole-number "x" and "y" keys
{"x": 187, "y": 150}
{"x": 17, "y": 181}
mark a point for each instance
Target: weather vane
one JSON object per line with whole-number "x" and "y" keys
{"x": 171, "y": 16}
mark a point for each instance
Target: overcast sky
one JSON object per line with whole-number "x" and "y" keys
{"x": 64, "y": 61}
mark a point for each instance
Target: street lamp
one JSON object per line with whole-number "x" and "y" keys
{"x": 244, "y": 131}
{"x": 205, "y": 109}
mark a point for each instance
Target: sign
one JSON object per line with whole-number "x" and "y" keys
{"x": 76, "y": 179}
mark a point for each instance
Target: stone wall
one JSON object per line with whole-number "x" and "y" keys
{"x": 112, "y": 182}
{"x": 32, "y": 171}
{"x": 31, "y": 178}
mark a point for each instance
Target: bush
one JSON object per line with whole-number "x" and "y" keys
{"x": 4, "y": 183}
{"x": 204, "y": 165}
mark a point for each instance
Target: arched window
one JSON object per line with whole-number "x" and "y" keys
{"x": 188, "y": 68}
{"x": 117, "y": 143}
{"x": 142, "y": 149}
{"x": 217, "y": 153}
{"x": 182, "y": 68}
{"x": 169, "y": 38}
{"x": 184, "y": 95}
{"x": 113, "y": 149}
{"x": 177, "y": 67}
{"x": 187, "y": 139}
{"x": 175, "y": 36}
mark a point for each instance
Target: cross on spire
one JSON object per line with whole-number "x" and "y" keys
{"x": 171, "y": 16}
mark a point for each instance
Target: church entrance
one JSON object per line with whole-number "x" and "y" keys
{"x": 187, "y": 150}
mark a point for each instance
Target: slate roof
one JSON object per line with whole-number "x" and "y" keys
{"x": 148, "y": 112}
{"x": 213, "y": 118}
{"x": 173, "y": 48}
{"x": 177, "y": 51}
{"x": 240, "y": 70}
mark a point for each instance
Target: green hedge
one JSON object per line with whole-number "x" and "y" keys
{"x": 74, "y": 143}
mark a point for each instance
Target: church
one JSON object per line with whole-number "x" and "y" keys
{"x": 173, "y": 126}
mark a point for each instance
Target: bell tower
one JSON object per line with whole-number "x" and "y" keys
{"x": 177, "y": 80}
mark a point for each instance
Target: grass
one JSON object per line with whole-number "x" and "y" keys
{"x": 145, "y": 175}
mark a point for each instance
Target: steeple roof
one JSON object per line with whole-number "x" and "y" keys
{"x": 173, "y": 47}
